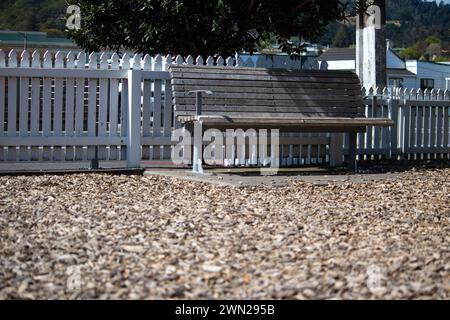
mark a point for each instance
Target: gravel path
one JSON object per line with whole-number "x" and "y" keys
{"x": 117, "y": 236}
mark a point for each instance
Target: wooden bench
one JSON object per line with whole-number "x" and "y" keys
{"x": 291, "y": 101}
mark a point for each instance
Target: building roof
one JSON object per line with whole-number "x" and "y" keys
{"x": 400, "y": 72}
{"x": 33, "y": 38}
{"x": 338, "y": 54}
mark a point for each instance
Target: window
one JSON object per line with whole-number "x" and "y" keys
{"x": 447, "y": 83}
{"x": 396, "y": 82}
{"x": 426, "y": 84}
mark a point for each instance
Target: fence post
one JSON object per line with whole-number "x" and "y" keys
{"x": 134, "y": 119}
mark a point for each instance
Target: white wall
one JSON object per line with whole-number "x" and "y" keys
{"x": 341, "y": 65}
{"x": 410, "y": 82}
{"x": 429, "y": 70}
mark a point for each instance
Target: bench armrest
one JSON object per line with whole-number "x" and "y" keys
{"x": 200, "y": 91}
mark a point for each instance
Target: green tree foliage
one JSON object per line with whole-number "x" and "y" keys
{"x": 429, "y": 49}
{"x": 202, "y": 27}
{"x": 418, "y": 20}
{"x": 410, "y": 53}
{"x": 433, "y": 40}
{"x": 33, "y": 15}
{"x": 341, "y": 38}
{"x": 408, "y": 21}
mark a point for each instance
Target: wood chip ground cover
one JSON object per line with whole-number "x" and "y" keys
{"x": 116, "y": 236}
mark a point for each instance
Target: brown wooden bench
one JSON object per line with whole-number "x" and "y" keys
{"x": 291, "y": 101}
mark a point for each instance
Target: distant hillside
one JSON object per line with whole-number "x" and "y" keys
{"x": 409, "y": 21}
{"x": 33, "y": 15}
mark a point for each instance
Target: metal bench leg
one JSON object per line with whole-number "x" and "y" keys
{"x": 352, "y": 151}
{"x": 197, "y": 157}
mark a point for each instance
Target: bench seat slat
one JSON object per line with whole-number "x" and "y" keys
{"x": 280, "y": 115}
{"x": 289, "y": 121}
{"x": 269, "y": 110}
{"x": 247, "y": 103}
{"x": 218, "y": 89}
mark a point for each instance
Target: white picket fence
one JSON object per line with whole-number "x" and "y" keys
{"x": 102, "y": 106}
{"x": 421, "y": 128}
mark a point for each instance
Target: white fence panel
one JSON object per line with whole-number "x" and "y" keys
{"x": 66, "y": 108}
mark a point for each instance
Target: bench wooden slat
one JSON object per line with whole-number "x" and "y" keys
{"x": 253, "y": 102}
{"x": 269, "y": 96}
{"x": 291, "y": 121}
{"x": 264, "y": 84}
{"x": 268, "y": 78}
{"x": 217, "y": 89}
{"x": 273, "y": 110}
{"x": 233, "y": 115}
{"x": 262, "y": 71}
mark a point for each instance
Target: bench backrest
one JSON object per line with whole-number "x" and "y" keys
{"x": 267, "y": 92}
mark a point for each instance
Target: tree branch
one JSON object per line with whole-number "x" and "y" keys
{"x": 301, "y": 5}
{"x": 250, "y": 6}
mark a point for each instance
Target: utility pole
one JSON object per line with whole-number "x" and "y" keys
{"x": 371, "y": 61}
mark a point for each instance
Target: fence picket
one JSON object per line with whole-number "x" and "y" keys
{"x": 445, "y": 133}
{"x": 189, "y": 60}
{"x": 419, "y": 128}
{"x": 35, "y": 153}
{"x": 69, "y": 106}
{"x": 179, "y": 59}
{"x": 58, "y": 107}
{"x": 125, "y": 64}
{"x": 220, "y": 62}
{"x": 146, "y": 107}
{"x": 199, "y": 61}
{"x": 12, "y": 104}
{"x": 114, "y": 107}
{"x": 47, "y": 106}
{"x": 167, "y": 61}
{"x": 92, "y": 107}
{"x": 439, "y": 125}
{"x": 157, "y": 107}
{"x": 102, "y": 106}
{"x": 210, "y": 61}
{"x": 2, "y": 103}
{"x": 168, "y": 114}
{"x": 24, "y": 105}
{"x": 80, "y": 105}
